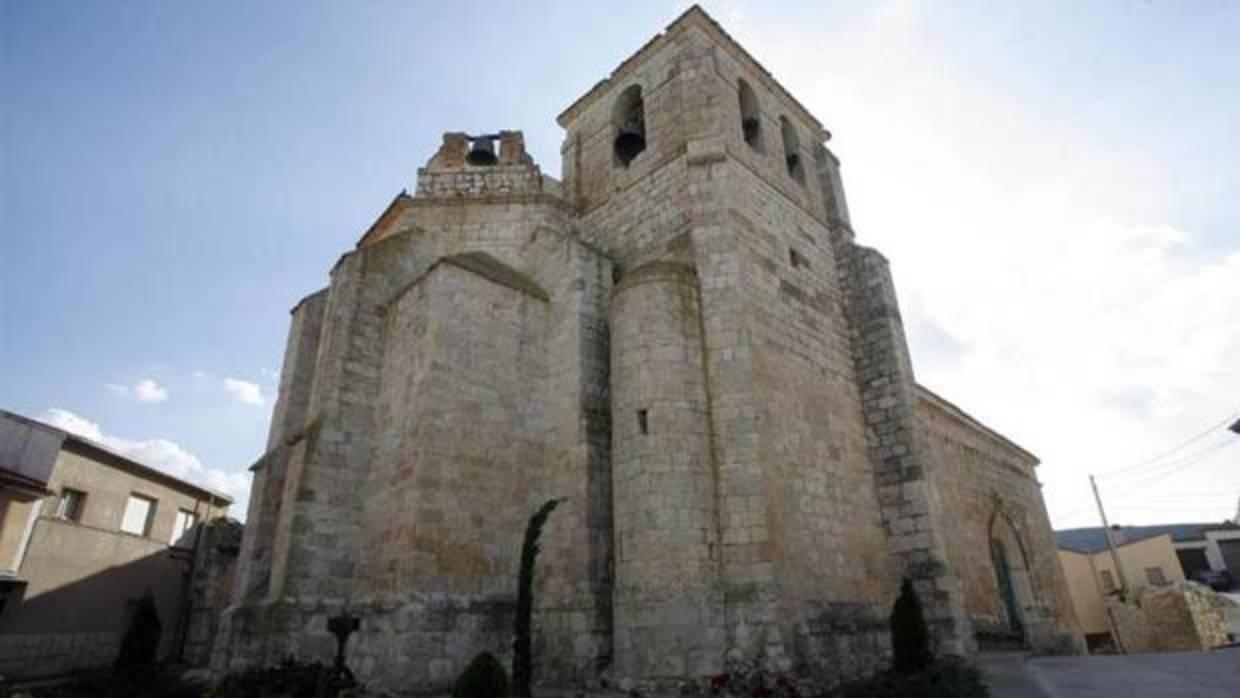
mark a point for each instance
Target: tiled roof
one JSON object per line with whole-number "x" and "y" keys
{"x": 1092, "y": 540}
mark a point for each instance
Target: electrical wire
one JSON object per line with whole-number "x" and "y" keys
{"x": 1167, "y": 469}
{"x": 1191, "y": 440}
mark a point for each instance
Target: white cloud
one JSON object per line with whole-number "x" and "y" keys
{"x": 161, "y": 454}
{"x": 244, "y": 391}
{"x": 1045, "y": 286}
{"x": 147, "y": 390}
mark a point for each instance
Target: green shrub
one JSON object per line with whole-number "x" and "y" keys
{"x": 522, "y": 663}
{"x": 484, "y": 677}
{"x": 140, "y": 644}
{"x": 910, "y": 639}
{"x": 950, "y": 677}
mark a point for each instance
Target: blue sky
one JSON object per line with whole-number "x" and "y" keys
{"x": 1054, "y": 183}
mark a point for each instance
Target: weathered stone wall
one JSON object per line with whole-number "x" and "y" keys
{"x": 899, "y": 453}
{"x": 821, "y": 530}
{"x": 429, "y": 436}
{"x": 212, "y": 582}
{"x": 795, "y": 494}
{"x": 668, "y": 597}
{"x": 989, "y": 487}
{"x": 1181, "y": 617}
{"x": 288, "y": 424}
{"x": 52, "y": 654}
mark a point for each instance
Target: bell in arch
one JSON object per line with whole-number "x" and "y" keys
{"x": 630, "y": 141}
{"x": 749, "y": 128}
{"x": 481, "y": 152}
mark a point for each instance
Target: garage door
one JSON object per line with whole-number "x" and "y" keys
{"x": 1231, "y": 556}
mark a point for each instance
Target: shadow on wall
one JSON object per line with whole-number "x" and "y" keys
{"x": 78, "y": 625}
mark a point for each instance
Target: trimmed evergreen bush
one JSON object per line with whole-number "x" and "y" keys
{"x": 916, "y": 672}
{"x": 910, "y": 638}
{"x": 522, "y": 662}
{"x": 140, "y": 644}
{"x": 484, "y": 677}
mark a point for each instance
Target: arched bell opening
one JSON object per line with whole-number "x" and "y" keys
{"x": 751, "y": 116}
{"x": 629, "y": 120}
{"x": 792, "y": 150}
{"x": 481, "y": 151}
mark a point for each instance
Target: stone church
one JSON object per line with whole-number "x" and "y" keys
{"x": 683, "y": 340}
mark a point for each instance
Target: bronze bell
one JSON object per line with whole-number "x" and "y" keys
{"x": 794, "y": 161}
{"x": 630, "y": 141}
{"x": 749, "y": 127}
{"x": 481, "y": 152}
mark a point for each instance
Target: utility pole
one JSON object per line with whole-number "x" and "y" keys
{"x": 1106, "y": 531}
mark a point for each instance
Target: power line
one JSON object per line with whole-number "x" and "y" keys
{"x": 1175, "y": 466}
{"x": 1194, "y": 439}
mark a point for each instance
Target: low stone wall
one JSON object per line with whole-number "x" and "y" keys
{"x": 418, "y": 640}
{"x": 1180, "y": 617}
{"x": 212, "y": 582}
{"x": 48, "y": 654}
{"x": 34, "y": 655}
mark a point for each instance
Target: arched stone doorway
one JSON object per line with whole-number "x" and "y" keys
{"x": 1017, "y": 602}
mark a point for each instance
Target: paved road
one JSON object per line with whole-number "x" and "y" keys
{"x": 1007, "y": 675}
{"x": 1171, "y": 675}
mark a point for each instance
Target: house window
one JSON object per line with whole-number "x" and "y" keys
{"x": 139, "y": 512}
{"x": 643, "y": 421}
{"x": 69, "y": 506}
{"x": 1155, "y": 576}
{"x": 1108, "y": 581}
{"x": 181, "y": 528}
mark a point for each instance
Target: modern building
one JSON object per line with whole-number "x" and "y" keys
{"x": 684, "y": 340}
{"x": 1094, "y": 580}
{"x": 84, "y": 533}
{"x": 1209, "y": 553}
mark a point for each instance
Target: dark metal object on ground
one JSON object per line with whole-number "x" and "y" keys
{"x": 340, "y": 676}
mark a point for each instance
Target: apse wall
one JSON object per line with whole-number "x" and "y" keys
{"x": 668, "y": 596}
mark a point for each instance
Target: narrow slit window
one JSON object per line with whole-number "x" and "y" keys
{"x": 796, "y": 259}
{"x": 643, "y": 421}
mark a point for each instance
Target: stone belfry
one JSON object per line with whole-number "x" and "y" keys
{"x": 683, "y": 340}
{"x": 770, "y": 487}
